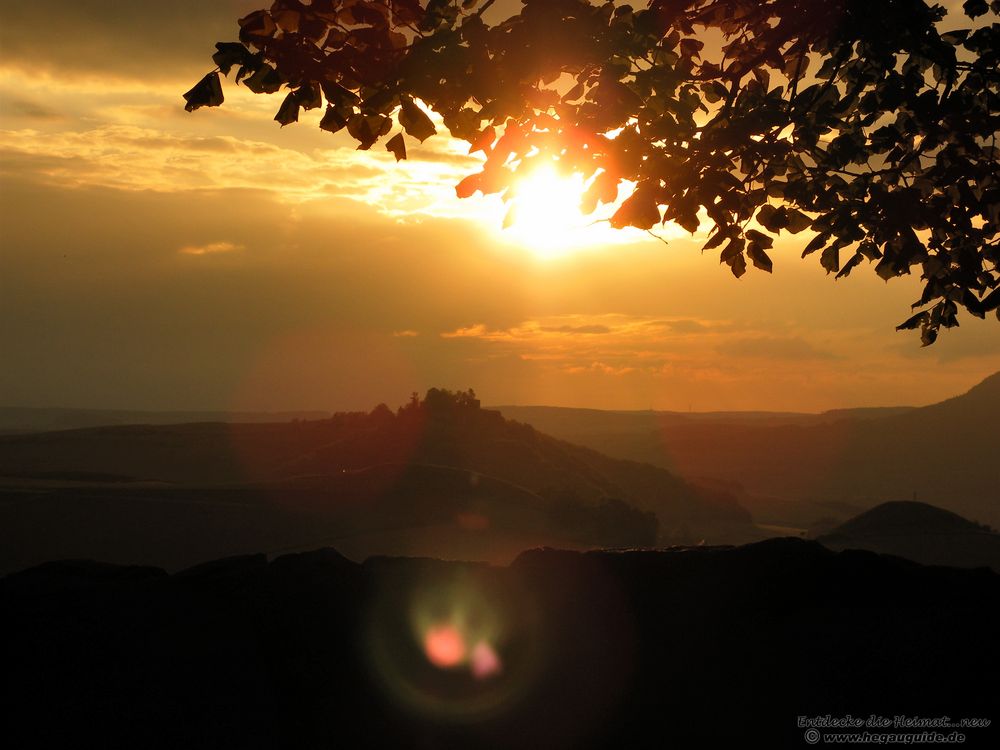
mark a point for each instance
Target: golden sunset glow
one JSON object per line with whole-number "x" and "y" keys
{"x": 278, "y": 254}
{"x": 499, "y": 373}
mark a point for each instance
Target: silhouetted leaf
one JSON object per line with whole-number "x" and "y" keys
{"x": 335, "y": 119}
{"x": 991, "y": 301}
{"x": 975, "y": 8}
{"x": 714, "y": 241}
{"x": 230, "y": 54}
{"x": 257, "y": 27}
{"x": 289, "y": 110}
{"x": 853, "y": 261}
{"x": 367, "y": 129}
{"x": 732, "y": 255}
{"x": 397, "y": 146}
{"x": 309, "y": 96}
{"x": 415, "y": 121}
{"x": 759, "y": 238}
{"x": 830, "y": 259}
{"x": 955, "y": 37}
{"x": 766, "y": 217}
{"x": 468, "y": 186}
{"x": 265, "y": 80}
{"x": 734, "y": 248}
{"x": 886, "y": 269}
{"x": 738, "y": 265}
{"x": 639, "y": 210}
{"x": 206, "y": 93}
{"x": 484, "y": 141}
{"x": 574, "y": 94}
{"x": 816, "y": 243}
{"x": 759, "y": 258}
{"x": 918, "y": 320}
{"x": 797, "y": 221}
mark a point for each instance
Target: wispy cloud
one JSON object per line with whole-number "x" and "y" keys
{"x": 126, "y": 134}
{"x": 617, "y": 345}
{"x": 600, "y": 368}
{"x": 212, "y": 248}
{"x": 567, "y": 329}
{"x": 127, "y": 157}
{"x": 580, "y": 330}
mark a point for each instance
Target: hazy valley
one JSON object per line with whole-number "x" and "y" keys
{"x": 445, "y": 477}
{"x": 812, "y": 471}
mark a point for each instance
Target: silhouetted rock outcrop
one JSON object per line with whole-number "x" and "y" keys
{"x": 685, "y": 647}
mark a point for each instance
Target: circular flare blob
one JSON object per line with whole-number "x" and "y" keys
{"x": 444, "y": 646}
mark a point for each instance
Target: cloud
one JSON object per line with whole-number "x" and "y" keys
{"x": 591, "y": 329}
{"x": 212, "y": 248}
{"x": 133, "y": 134}
{"x": 602, "y": 369}
{"x": 684, "y": 326}
{"x": 30, "y": 109}
{"x": 509, "y": 327}
{"x": 769, "y": 347}
{"x": 602, "y": 344}
{"x": 566, "y": 329}
{"x": 407, "y": 334}
{"x": 127, "y": 157}
{"x": 478, "y": 331}
{"x": 651, "y": 351}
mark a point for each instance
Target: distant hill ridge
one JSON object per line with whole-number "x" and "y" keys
{"x": 794, "y": 469}
{"x": 919, "y": 532}
{"x": 984, "y": 395}
{"x": 17, "y": 419}
{"x": 442, "y": 430}
{"x": 438, "y": 476}
{"x": 908, "y": 517}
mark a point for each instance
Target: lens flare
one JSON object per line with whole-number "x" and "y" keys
{"x": 455, "y": 642}
{"x": 485, "y": 662}
{"x": 444, "y": 646}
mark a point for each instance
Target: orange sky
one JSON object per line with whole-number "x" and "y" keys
{"x": 157, "y": 259}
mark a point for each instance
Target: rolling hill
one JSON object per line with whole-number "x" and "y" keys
{"x": 799, "y": 469}
{"x": 918, "y": 532}
{"x": 440, "y": 478}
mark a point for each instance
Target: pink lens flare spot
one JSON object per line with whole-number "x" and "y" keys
{"x": 485, "y": 661}
{"x": 444, "y": 646}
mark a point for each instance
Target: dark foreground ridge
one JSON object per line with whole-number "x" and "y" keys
{"x": 685, "y": 647}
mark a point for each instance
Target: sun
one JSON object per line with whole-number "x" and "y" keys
{"x": 544, "y": 214}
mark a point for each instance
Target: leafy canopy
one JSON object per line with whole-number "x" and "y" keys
{"x": 863, "y": 121}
